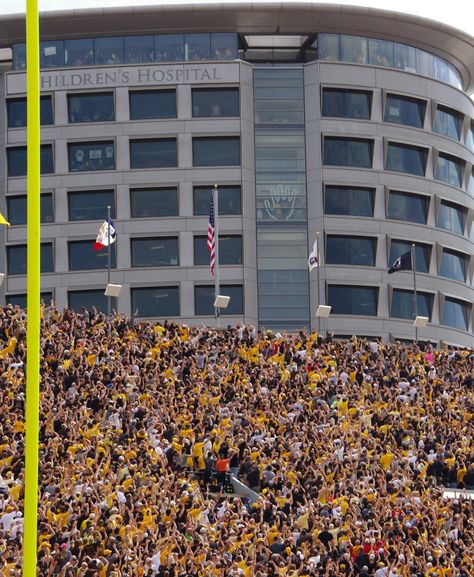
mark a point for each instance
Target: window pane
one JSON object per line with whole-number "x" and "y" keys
{"x": 138, "y": 49}
{"x": 159, "y": 251}
{"x": 197, "y": 46}
{"x": 19, "y": 56}
{"x": 449, "y": 169}
{"x": 354, "y": 250}
{"x": 456, "y": 314}
{"x": 406, "y": 158}
{"x": 91, "y": 204}
{"x": 152, "y": 153}
{"x": 422, "y": 253}
{"x": 154, "y": 202}
{"x": 424, "y": 63}
{"x": 94, "y": 107}
{"x": 16, "y": 206}
{"x": 279, "y": 111}
{"x": 230, "y": 250}
{"x": 204, "y": 300}
{"x": 16, "y": 110}
{"x": 20, "y": 299}
{"x": 451, "y": 217}
{"x": 215, "y": 102}
{"x": 16, "y": 257}
{"x": 380, "y": 52}
{"x": 349, "y": 200}
{"x": 470, "y": 138}
{"x": 328, "y": 46}
{"x": 169, "y": 48}
{"x": 16, "y": 159}
{"x": 348, "y": 152}
{"x": 407, "y": 206}
{"x": 346, "y": 103}
{"x": 156, "y": 301}
{"x": 229, "y": 200}
{"x": 88, "y": 299}
{"x": 404, "y": 57}
{"x": 83, "y": 256}
{"x": 403, "y": 306}
{"x": 52, "y": 54}
{"x": 216, "y": 151}
{"x": 470, "y": 186}
{"x": 108, "y": 50}
{"x": 79, "y": 52}
{"x": 441, "y": 70}
{"x": 85, "y": 156}
{"x": 223, "y": 45}
{"x": 152, "y": 104}
{"x": 404, "y": 110}
{"x": 352, "y": 300}
{"x": 354, "y": 49}
{"x": 448, "y": 122}
{"x": 453, "y": 265}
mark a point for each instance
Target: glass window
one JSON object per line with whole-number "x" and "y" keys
{"x": 152, "y": 104}
{"x": 156, "y": 301}
{"x": 169, "y": 48}
{"x": 453, "y": 265}
{"x": 52, "y": 54}
{"x": 16, "y": 258}
{"x": 403, "y": 306}
{"x": 470, "y": 138}
{"x": 441, "y": 70}
{"x": 470, "y": 186}
{"x": 20, "y": 300}
{"x": 16, "y": 111}
{"x": 279, "y": 111}
{"x": 16, "y": 206}
{"x": 448, "y": 122}
{"x": 451, "y": 217}
{"x": 223, "y": 45}
{"x": 204, "y": 300}
{"x": 230, "y": 250}
{"x": 88, "y": 300}
{"x": 79, "y": 52}
{"x": 353, "y": 300}
{"x": 349, "y": 200}
{"x": 353, "y": 250}
{"x": 422, "y": 253}
{"x": 406, "y": 158}
{"x": 215, "y": 101}
{"x": 153, "y": 153}
{"x": 157, "y": 251}
{"x": 93, "y": 107}
{"x": 456, "y": 313}
{"x": 83, "y": 256}
{"x": 154, "y": 202}
{"x": 424, "y": 63}
{"x": 216, "y": 151}
{"x": 108, "y": 50}
{"x": 449, "y": 169}
{"x": 348, "y": 152}
{"x": 229, "y": 200}
{"x": 380, "y": 52}
{"x": 91, "y": 156}
{"x": 16, "y": 159}
{"x": 138, "y": 49}
{"x": 328, "y": 47}
{"x": 404, "y": 110}
{"x": 197, "y": 46}
{"x": 404, "y": 57}
{"x": 408, "y": 206}
{"x": 354, "y": 49}
{"x": 343, "y": 103}
{"x": 19, "y": 56}
{"x": 91, "y": 204}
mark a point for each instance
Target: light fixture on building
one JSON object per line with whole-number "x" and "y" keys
{"x": 221, "y": 302}
{"x": 113, "y": 290}
{"x": 323, "y": 311}
{"x": 420, "y": 322}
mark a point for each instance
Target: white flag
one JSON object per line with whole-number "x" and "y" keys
{"x": 313, "y": 260}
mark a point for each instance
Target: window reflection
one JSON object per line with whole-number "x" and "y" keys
{"x": 17, "y": 209}
{"x": 215, "y": 102}
{"x": 162, "y": 302}
{"x": 453, "y": 265}
{"x": 380, "y": 52}
{"x": 19, "y": 57}
{"x": 348, "y": 152}
{"x": 197, "y": 47}
{"x": 449, "y": 169}
{"x": 16, "y": 258}
{"x": 138, "y": 49}
{"x": 95, "y": 107}
{"x": 83, "y": 256}
{"x": 216, "y": 151}
{"x": 146, "y": 104}
{"x": 354, "y": 49}
{"x": 422, "y": 253}
{"x": 17, "y": 160}
{"x": 151, "y": 153}
{"x": 204, "y": 300}
{"x": 456, "y": 314}
{"x": 80, "y": 301}
{"x": 328, "y": 47}
{"x": 405, "y": 110}
{"x": 408, "y": 206}
{"x": 403, "y": 305}
{"x": 353, "y": 300}
{"x": 451, "y": 217}
{"x": 230, "y": 250}
{"x": 155, "y": 252}
{"x": 223, "y": 46}
{"x": 16, "y": 111}
{"x": 347, "y": 200}
{"x": 448, "y": 122}
{"x": 84, "y": 156}
{"x": 406, "y": 158}
{"x": 154, "y": 202}
{"x": 91, "y": 204}
{"x": 229, "y": 200}
{"x": 346, "y": 103}
{"x": 353, "y": 250}
{"x": 404, "y": 57}
{"x": 20, "y": 300}
{"x": 79, "y": 52}
{"x": 109, "y": 50}
{"x": 169, "y": 48}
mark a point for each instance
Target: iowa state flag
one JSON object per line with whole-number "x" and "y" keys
{"x": 106, "y": 230}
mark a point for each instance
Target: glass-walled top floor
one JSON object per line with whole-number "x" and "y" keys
{"x": 221, "y": 46}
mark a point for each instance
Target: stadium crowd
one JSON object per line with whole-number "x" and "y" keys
{"x": 348, "y": 445}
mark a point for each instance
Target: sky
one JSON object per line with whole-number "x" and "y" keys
{"x": 457, "y": 13}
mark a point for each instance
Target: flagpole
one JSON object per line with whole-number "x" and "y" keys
{"x": 319, "y": 284}
{"x": 215, "y": 198}
{"x": 413, "y": 259}
{"x": 33, "y": 292}
{"x": 108, "y": 260}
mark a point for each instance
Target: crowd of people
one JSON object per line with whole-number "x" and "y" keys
{"x": 347, "y": 445}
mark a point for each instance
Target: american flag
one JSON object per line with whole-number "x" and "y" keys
{"x": 211, "y": 238}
